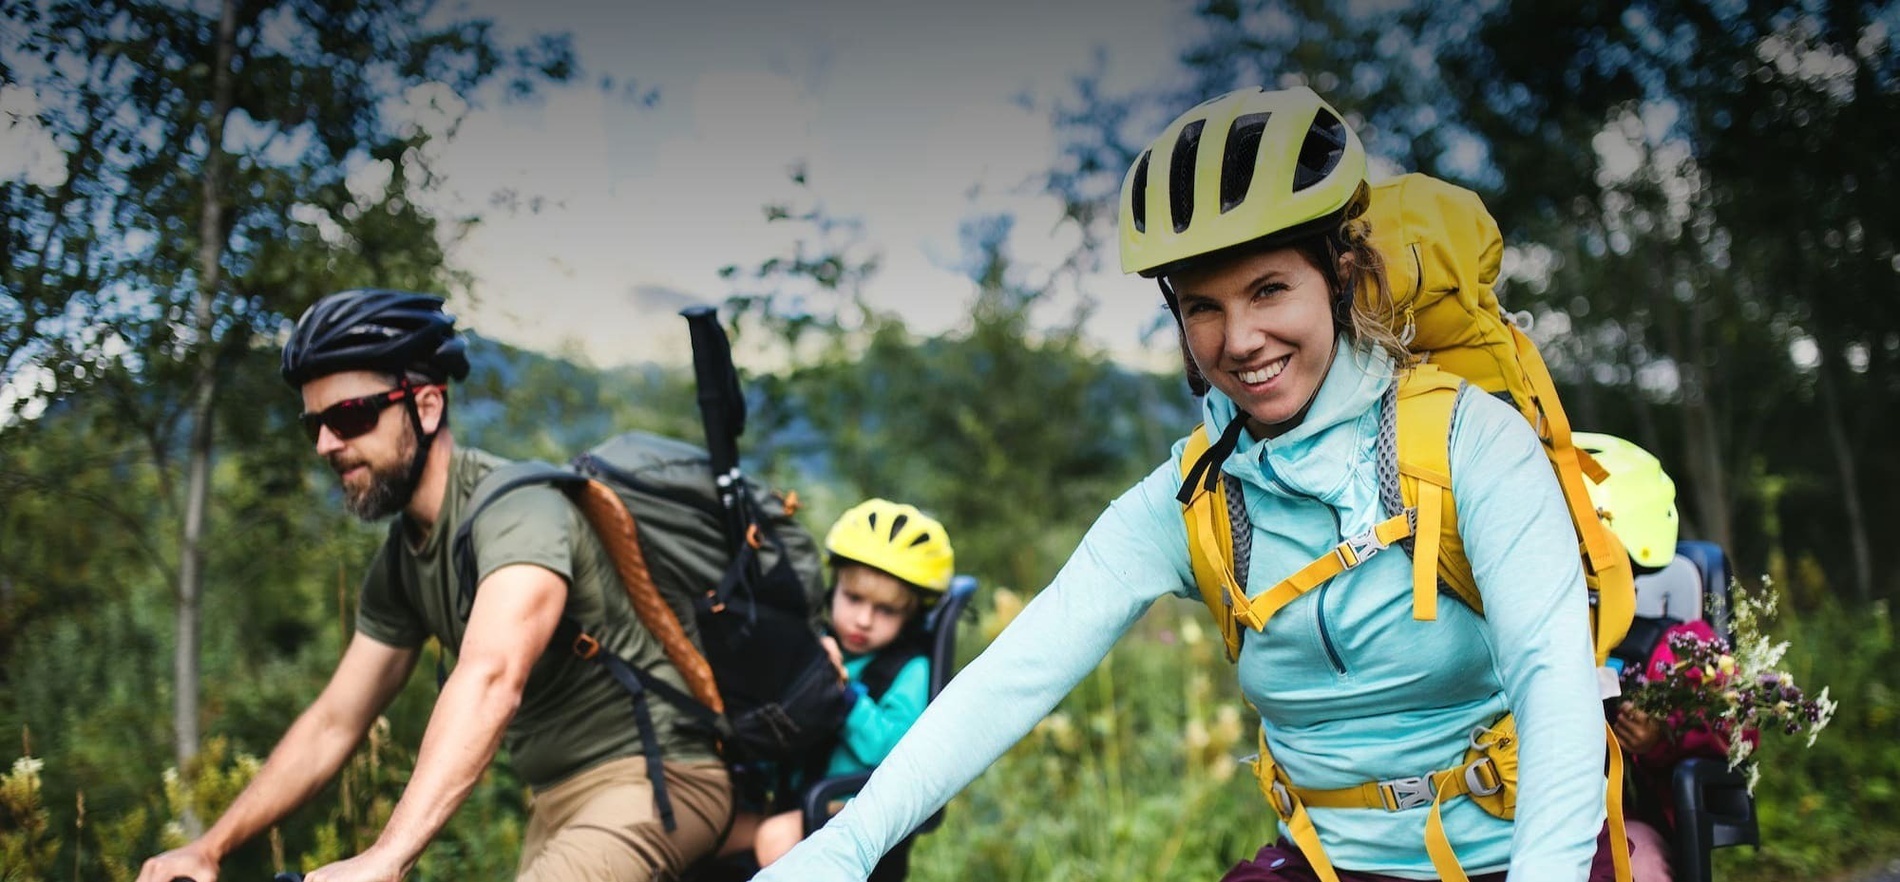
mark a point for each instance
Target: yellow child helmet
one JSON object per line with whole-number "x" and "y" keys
{"x": 897, "y": 539}
{"x": 1637, "y": 501}
{"x": 1238, "y": 169}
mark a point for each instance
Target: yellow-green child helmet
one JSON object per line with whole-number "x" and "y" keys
{"x": 897, "y": 539}
{"x": 1239, "y": 169}
{"x": 1637, "y": 501}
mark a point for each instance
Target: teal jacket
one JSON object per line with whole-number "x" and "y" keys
{"x": 1348, "y": 686}
{"x": 874, "y": 725}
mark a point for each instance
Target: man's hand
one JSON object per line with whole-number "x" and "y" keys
{"x": 1638, "y": 732}
{"x": 370, "y": 866}
{"x": 186, "y": 862}
{"x": 837, "y": 656}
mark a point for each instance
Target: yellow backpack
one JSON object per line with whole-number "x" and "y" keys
{"x": 1442, "y": 251}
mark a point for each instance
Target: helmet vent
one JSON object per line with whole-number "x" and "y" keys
{"x": 1239, "y": 159}
{"x": 1320, "y": 154}
{"x": 1181, "y": 174}
{"x": 1138, "y": 199}
{"x": 897, "y": 525}
{"x": 921, "y": 539}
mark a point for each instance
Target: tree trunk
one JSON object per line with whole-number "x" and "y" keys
{"x": 211, "y": 233}
{"x": 1848, "y": 469}
{"x": 1702, "y": 449}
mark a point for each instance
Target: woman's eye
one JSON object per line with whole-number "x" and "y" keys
{"x": 1270, "y": 289}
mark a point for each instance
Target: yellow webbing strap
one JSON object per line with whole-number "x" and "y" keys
{"x": 1210, "y": 541}
{"x": 1619, "y": 836}
{"x": 1299, "y": 824}
{"x": 1343, "y": 557}
{"x": 1604, "y": 557}
{"x": 1427, "y": 397}
{"x": 1555, "y": 431}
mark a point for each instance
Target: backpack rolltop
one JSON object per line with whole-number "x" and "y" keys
{"x": 1442, "y": 252}
{"x": 716, "y": 569}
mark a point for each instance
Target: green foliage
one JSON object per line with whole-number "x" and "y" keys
{"x": 1832, "y": 806}
{"x": 1134, "y": 776}
{"x": 1688, "y": 193}
{"x": 27, "y": 851}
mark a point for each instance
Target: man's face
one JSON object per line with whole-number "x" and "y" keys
{"x": 374, "y": 467}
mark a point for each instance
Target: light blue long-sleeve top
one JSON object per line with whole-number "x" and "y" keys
{"x": 1349, "y": 686}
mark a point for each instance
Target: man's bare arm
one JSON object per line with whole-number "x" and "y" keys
{"x": 514, "y": 616}
{"x": 309, "y": 754}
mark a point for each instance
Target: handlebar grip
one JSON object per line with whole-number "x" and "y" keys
{"x": 288, "y": 877}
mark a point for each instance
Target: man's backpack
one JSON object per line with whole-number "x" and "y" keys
{"x": 1442, "y": 251}
{"x": 717, "y": 570}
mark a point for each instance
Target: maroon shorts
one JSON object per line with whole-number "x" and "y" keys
{"x": 1282, "y": 862}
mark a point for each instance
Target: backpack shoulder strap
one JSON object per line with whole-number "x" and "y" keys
{"x": 615, "y": 528}
{"x": 882, "y": 670}
{"x": 1427, "y": 398}
{"x": 490, "y": 488}
{"x": 1210, "y": 542}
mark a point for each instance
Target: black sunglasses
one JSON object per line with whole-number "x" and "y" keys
{"x": 352, "y": 417}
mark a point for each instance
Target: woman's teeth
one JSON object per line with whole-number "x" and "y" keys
{"x": 1264, "y": 374}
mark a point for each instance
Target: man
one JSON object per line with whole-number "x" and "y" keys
{"x": 373, "y": 368}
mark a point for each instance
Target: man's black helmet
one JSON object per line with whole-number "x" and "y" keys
{"x": 374, "y": 329}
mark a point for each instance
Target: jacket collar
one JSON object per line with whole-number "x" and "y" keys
{"x": 1354, "y": 381}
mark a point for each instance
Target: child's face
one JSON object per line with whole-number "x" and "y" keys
{"x": 869, "y": 608}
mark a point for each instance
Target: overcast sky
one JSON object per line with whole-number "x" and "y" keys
{"x": 906, "y": 114}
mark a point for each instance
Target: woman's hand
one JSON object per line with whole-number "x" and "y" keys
{"x": 1637, "y": 731}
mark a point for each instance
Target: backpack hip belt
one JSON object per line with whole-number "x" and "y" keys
{"x": 1487, "y": 775}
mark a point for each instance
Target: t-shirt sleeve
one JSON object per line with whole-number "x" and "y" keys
{"x": 527, "y": 525}
{"x": 382, "y": 613}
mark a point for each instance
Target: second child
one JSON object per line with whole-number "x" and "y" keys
{"x": 890, "y": 564}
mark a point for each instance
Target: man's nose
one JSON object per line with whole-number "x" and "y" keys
{"x": 327, "y": 442}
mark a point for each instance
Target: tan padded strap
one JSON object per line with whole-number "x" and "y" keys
{"x": 614, "y": 525}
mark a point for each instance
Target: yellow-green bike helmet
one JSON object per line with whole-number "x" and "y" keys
{"x": 1248, "y": 167}
{"x": 1637, "y": 501}
{"x": 897, "y": 539}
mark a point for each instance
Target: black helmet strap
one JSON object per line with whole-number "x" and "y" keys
{"x": 425, "y": 440}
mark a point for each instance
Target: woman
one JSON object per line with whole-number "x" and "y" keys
{"x": 1245, "y": 210}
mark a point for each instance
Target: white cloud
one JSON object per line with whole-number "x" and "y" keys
{"x": 904, "y": 115}
{"x": 27, "y": 152}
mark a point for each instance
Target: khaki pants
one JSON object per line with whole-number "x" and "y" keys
{"x": 602, "y": 826}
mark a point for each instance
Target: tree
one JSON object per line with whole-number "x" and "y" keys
{"x": 1689, "y": 192}
{"x": 221, "y": 171}
{"x": 1015, "y": 435}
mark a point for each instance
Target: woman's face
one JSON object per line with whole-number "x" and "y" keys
{"x": 1260, "y": 328}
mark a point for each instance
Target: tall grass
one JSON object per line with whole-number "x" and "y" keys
{"x": 1133, "y": 777}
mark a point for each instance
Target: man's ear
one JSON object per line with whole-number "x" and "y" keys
{"x": 432, "y": 404}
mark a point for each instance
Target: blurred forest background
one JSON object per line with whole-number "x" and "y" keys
{"x": 1699, "y": 201}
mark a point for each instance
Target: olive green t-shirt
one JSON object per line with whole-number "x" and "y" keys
{"x": 572, "y": 715}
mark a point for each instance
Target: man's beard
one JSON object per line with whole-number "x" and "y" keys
{"x": 390, "y": 485}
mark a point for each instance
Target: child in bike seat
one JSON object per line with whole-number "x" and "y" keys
{"x": 890, "y": 564}
{"x": 1638, "y": 503}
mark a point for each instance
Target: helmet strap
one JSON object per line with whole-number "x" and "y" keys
{"x": 424, "y": 440}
